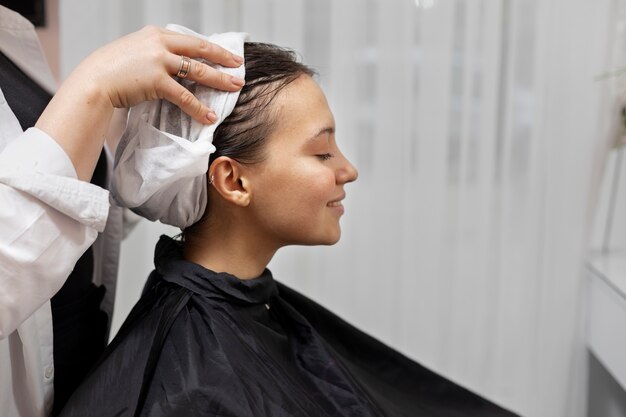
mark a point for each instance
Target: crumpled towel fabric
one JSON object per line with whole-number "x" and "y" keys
{"x": 163, "y": 156}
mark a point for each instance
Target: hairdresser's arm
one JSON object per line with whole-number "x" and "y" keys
{"x": 133, "y": 69}
{"x": 48, "y": 217}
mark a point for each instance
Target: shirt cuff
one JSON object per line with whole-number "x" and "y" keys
{"x": 35, "y": 164}
{"x": 36, "y": 151}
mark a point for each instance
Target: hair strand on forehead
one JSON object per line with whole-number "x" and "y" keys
{"x": 269, "y": 69}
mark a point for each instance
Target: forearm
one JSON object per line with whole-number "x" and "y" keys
{"x": 77, "y": 118}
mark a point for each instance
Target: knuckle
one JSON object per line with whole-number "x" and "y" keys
{"x": 204, "y": 45}
{"x": 199, "y": 70}
{"x": 197, "y": 109}
{"x": 155, "y": 61}
{"x": 209, "y": 48}
{"x": 150, "y": 30}
{"x": 226, "y": 55}
{"x": 186, "y": 100}
{"x": 160, "y": 37}
{"x": 159, "y": 55}
{"x": 224, "y": 78}
{"x": 155, "y": 34}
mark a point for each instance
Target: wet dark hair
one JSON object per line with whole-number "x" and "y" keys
{"x": 242, "y": 135}
{"x": 269, "y": 69}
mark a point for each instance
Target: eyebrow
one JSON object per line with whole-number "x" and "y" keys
{"x": 329, "y": 129}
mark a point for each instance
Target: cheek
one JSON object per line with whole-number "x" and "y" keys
{"x": 327, "y": 185}
{"x": 317, "y": 187}
{"x": 291, "y": 206}
{"x": 299, "y": 191}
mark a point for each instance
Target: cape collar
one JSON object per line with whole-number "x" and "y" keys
{"x": 173, "y": 268}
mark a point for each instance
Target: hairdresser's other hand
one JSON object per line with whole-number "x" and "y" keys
{"x": 132, "y": 69}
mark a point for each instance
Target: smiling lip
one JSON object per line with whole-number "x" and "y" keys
{"x": 336, "y": 204}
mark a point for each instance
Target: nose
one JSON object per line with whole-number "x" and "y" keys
{"x": 346, "y": 172}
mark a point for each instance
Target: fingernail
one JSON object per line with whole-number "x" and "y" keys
{"x": 237, "y": 81}
{"x": 211, "y": 116}
{"x": 238, "y": 59}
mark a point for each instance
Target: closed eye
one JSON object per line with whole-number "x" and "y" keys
{"x": 325, "y": 156}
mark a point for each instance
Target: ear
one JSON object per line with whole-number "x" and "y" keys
{"x": 230, "y": 181}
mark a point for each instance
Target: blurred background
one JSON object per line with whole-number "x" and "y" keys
{"x": 485, "y": 236}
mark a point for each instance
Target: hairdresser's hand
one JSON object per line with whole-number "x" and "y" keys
{"x": 140, "y": 67}
{"x": 132, "y": 69}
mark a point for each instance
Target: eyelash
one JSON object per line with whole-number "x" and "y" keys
{"x": 325, "y": 156}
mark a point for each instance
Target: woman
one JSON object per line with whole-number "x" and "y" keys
{"x": 214, "y": 334}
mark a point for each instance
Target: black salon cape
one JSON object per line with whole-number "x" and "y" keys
{"x": 200, "y": 343}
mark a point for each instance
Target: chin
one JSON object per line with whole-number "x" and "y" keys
{"x": 331, "y": 239}
{"x": 335, "y": 240}
{"x": 326, "y": 240}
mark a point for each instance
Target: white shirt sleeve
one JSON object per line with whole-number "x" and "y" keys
{"x": 48, "y": 218}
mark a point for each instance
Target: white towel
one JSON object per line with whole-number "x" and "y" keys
{"x": 163, "y": 156}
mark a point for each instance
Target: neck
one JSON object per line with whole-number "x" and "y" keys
{"x": 227, "y": 246}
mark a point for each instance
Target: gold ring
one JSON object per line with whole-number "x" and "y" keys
{"x": 185, "y": 65}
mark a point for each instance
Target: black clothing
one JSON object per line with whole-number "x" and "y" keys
{"x": 200, "y": 343}
{"x": 79, "y": 326}
{"x": 25, "y": 97}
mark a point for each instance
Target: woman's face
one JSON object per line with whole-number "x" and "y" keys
{"x": 298, "y": 188}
